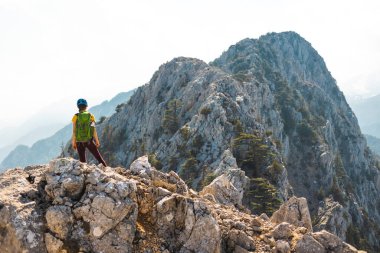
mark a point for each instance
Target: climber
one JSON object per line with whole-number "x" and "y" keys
{"x": 84, "y": 133}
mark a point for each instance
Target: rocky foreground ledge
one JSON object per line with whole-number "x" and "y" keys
{"x": 68, "y": 206}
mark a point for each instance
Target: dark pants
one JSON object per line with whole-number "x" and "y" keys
{"x": 81, "y": 147}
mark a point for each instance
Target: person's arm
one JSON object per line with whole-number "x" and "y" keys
{"x": 96, "y": 138}
{"x": 73, "y": 140}
{"x": 97, "y": 143}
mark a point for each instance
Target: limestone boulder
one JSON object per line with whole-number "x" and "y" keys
{"x": 53, "y": 245}
{"x": 59, "y": 220}
{"x": 282, "y": 231}
{"x": 239, "y": 239}
{"x": 282, "y": 246}
{"x": 294, "y": 211}
{"x": 22, "y": 223}
{"x": 308, "y": 244}
{"x": 228, "y": 188}
{"x": 188, "y": 225}
{"x": 95, "y": 207}
{"x": 333, "y": 243}
{"x": 141, "y": 167}
{"x": 170, "y": 181}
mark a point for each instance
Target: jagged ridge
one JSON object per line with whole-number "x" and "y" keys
{"x": 69, "y": 206}
{"x": 270, "y": 102}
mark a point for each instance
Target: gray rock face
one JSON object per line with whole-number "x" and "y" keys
{"x": 199, "y": 231}
{"x": 309, "y": 245}
{"x": 282, "y": 247}
{"x": 21, "y": 213}
{"x": 339, "y": 154}
{"x": 228, "y": 188}
{"x": 170, "y": 181}
{"x": 332, "y": 242}
{"x": 333, "y": 217}
{"x": 99, "y": 216}
{"x": 295, "y": 211}
{"x": 272, "y": 97}
{"x": 189, "y": 132}
{"x": 282, "y": 231}
{"x": 60, "y": 220}
{"x": 238, "y": 240}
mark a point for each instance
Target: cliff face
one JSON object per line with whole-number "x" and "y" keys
{"x": 188, "y": 116}
{"x": 272, "y": 105}
{"x": 68, "y": 206}
{"x": 325, "y": 151}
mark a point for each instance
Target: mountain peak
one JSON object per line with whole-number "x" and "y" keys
{"x": 287, "y": 35}
{"x": 268, "y": 106}
{"x": 287, "y": 54}
{"x": 182, "y": 62}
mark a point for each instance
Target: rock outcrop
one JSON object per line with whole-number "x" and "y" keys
{"x": 228, "y": 188}
{"x": 295, "y": 211}
{"x": 333, "y": 217}
{"x": 68, "y": 206}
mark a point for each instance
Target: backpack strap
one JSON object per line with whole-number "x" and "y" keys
{"x": 76, "y": 122}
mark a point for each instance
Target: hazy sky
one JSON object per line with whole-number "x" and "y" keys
{"x": 61, "y": 50}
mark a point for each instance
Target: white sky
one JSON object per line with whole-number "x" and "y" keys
{"x": 61, "y": 50}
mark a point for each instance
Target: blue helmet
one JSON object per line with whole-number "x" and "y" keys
{"x": 82, "y": 101}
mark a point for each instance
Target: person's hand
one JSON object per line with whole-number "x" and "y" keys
{"x": 74, "y": 144}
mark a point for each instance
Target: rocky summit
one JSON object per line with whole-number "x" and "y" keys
{"x": 69, "y": 206}
{"x": 270, "y": 108}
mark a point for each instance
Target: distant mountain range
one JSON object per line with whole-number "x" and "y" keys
{"x": 44, "y": 150}
{"x": 35, "y": 128}
{"x": 373, "y": 143}
{"x": 368, "y": 114}
{"x": 29, "y": 138}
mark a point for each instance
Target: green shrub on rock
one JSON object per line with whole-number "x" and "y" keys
{"x": 262, "y": 196}
{"x": 251, "y": 153}
{"x": 170, "y": 122}
{"x": 154, "y": 161}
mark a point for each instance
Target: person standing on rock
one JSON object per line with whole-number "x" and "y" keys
{"x": 84, "y": 133}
